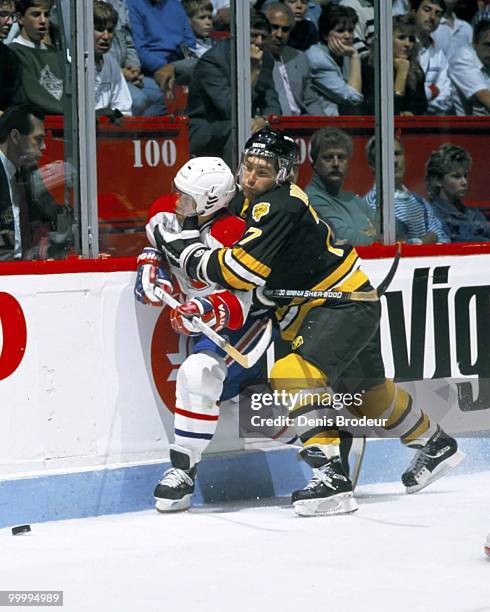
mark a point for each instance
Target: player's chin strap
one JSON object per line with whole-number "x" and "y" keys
{"x": 246, "y": 360}
{"x": 338, "y": 296}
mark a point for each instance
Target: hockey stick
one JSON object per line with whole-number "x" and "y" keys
{"x": 246, "y": 360}
{"x": 339, "y": 296}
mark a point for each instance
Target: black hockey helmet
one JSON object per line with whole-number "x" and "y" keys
{"x": 276, "y": 145}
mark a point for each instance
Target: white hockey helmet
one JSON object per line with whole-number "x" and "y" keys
{"x": 205, "y": 184}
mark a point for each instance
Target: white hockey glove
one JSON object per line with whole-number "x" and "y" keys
{"x": 151, "y": 275}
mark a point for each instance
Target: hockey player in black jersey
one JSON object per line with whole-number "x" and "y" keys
{"x": 333, "y": 343}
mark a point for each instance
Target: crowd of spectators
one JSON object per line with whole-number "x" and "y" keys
{"x": 307, "y": 58}
{"x": 441, "y": 53}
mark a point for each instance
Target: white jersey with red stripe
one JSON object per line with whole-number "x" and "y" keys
{"x": 222, "y": 230}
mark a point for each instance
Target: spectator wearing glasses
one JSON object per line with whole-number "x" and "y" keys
{"x": 408, "y": 77}
{"x": 447, "y": 182}
{"x": 470, "y": 73}
{"x": 335, "y": 63}
{"x": 209, "y": 106}
{"x": 291, "y": 69}
{"x": 438, "y": 89}
{"x": 9, "y": 65}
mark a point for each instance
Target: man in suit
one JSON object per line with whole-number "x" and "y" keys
{"x": 291, "y": 69}
{"x": 209, "y": 106}
{"x": 21, "y": 216}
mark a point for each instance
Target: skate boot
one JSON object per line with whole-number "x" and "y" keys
{"x": 432, "y": 461}
{"x": 175, "y": 489}
{"x": 329, "y": 491}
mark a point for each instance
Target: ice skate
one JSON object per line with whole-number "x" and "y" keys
{"x": 175, "y": 489}
{"x": 329, "y": 490}
{"x": 432, "y": 461}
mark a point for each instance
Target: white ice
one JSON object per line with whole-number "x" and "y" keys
{"x": 397, "y": 553}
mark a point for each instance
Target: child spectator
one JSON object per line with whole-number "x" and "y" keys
{"x": 415, "y": 221}
{"x": 335, "y": 63}
{"x": 469, "y": 71}
{"x": 200, "y": 13}
{"x": 42, "y": 69}
{"x": 446, "y": 179}
{"x": 111, "y": 89}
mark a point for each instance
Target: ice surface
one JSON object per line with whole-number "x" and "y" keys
{"x": 398, "y": 553}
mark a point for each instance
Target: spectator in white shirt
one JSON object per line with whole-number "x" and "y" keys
{"x": 438, "y": 89}
{"x": 470, "y": 73}
{"x": 452, "y": 32}
{"x": 111, "y": 89}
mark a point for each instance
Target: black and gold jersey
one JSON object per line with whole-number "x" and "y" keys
{"x": 285, "y": 246}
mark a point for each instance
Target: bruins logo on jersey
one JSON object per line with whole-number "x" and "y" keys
{"x": 297, "y": 342}
{"x": 260, "y": 210}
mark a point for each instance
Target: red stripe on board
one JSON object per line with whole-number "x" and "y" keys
{"x": 195, "y": 415}
{"x": 75, "y": 265}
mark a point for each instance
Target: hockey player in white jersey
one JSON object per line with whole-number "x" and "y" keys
{"x": 203, "y": 187}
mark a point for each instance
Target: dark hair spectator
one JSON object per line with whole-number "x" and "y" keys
{"x": 19, "y": 118}
{"x": 347, "y": 214}
{"x": 469, "y": 70}
{"x": 335, "y": 64}
{"x": 209, "y": 106}
{"x": 292, "y": 79}
{"x": 415, "y": 4}
{"x": 452, "y": 32}
{"x": 447, "y": 182}
{"x": 364, "y": 30}
{"x": 111, "y": 90}
{"x": 415, "y": 221}
{"x": 438, "y": 89}
{"x": 304, "y": 33}
{"x": 28, "y": 214}
{"x": 42, "y": 68}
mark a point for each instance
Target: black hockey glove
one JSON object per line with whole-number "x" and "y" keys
{"x": 183, "y": 249}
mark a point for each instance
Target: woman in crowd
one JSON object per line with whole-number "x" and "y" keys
{"x": 408, "y": 76}
{"x": 335, "y": 63}
{"x": 446, "y": 179}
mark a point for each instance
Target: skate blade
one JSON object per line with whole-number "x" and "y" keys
{"x": 173, "y": 505}
{"x": 445, "y": 467}
{"x": 342, "y": 503}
